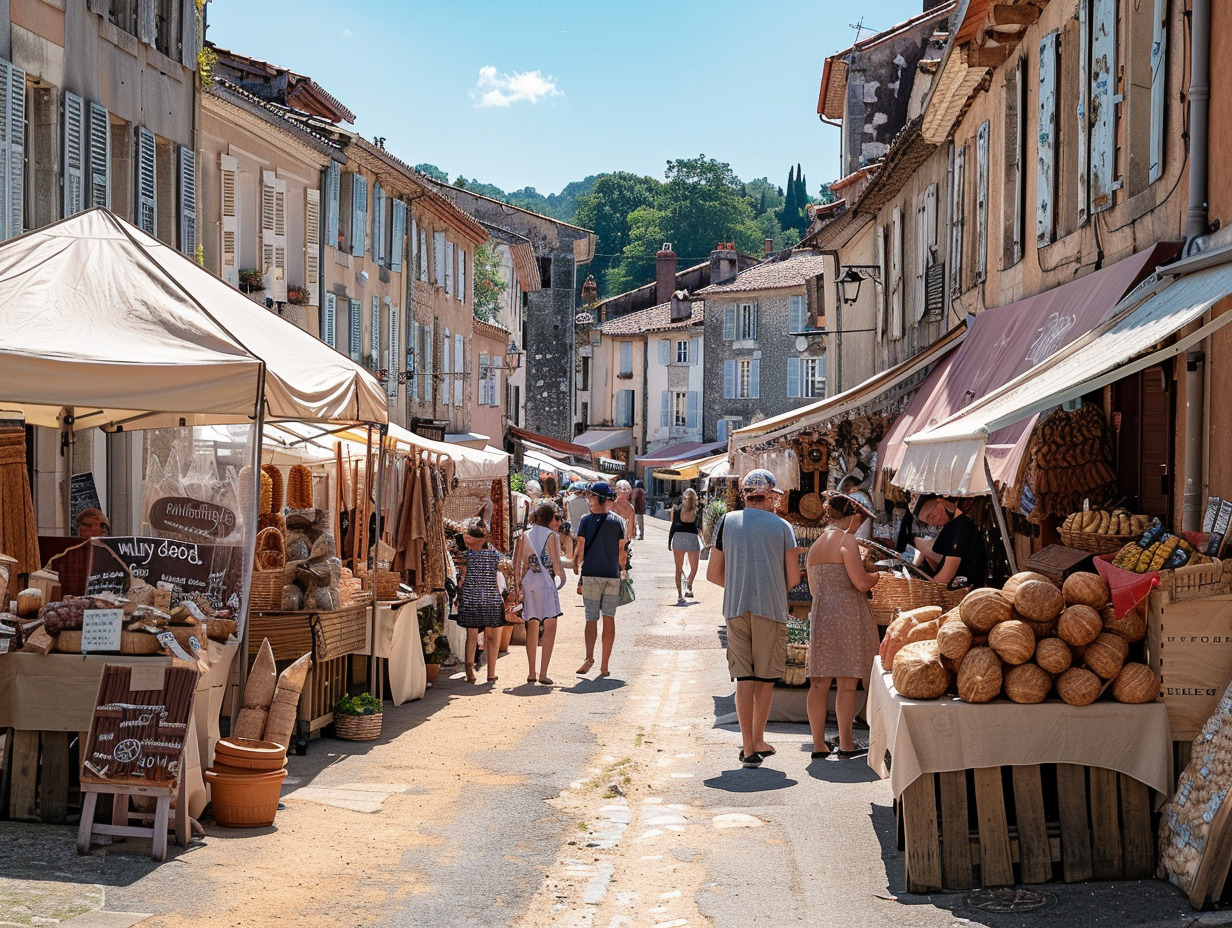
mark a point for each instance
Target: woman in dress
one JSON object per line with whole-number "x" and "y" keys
{"x": 480, "y": 601}
{"x": 536, "y": 564}
{"x": 683, "y": 539}
{"x": 842, "y": 633}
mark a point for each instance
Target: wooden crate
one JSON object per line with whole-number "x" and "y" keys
{"x": 38, "y": 783}
{"x": 1189, "y": 644}
{"x": 998, "y": 826}
{"x": 325, "y": 685}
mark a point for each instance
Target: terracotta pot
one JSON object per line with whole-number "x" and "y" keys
{"x": 434, "y": 671}
{"x": 248, "y": 799}
{"x": 250, "y": 755}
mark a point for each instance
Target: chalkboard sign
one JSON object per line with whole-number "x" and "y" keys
{"x": 139, "y": 724}
{"x": 214, "y": 571}
{"x": 82, "y": 495}
{"x": 192, "y": 518}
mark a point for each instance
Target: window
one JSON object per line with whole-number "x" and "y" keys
{"x": 167, "y": 27}
{"x": 682, "y": 351}
{"x": 741, "y": 379}
{"x": 545, "y": 272}
{"x": 1098, "y": 71}
{"x": 665, "y": 351}
{"x": 740, "y": 321}
{"x": 797, "y": 314}
{"x": 626, "y": 360}
{"x": 623, "y": 414}
{"x": 806, "y": 377}
{"x": 1145, "y": 80}
{"x": 584, "y": 375}
{"x": 123, "y": 13}
{"x": 728, "y": 425}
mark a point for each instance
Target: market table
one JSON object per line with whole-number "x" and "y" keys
{"x": 47, "y": 698}
{"x": 1075, "y": 780}
{"x": 396, "y": 651}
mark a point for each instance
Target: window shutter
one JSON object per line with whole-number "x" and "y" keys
{"x": 496, "y": 386}
{"x": 359, "y": 214}
{"x": 666, "y": 416}
{"x": 447, "y": 369}
{"x": 100, "y": 156}
{"x": 921, "y": 252}
{"x": 398, "y": 243}
{"x": 896, "y": 273}
{"x": 981, "y": 202}
{"x": 438, "y": 258}
{"x": 448, "y": 268}
{"x": 461, "y": 289}
{"x": 391, "y": 380}
{"x": 1084, "y": 108}
{"x": 413, "y": 246}
{"x": 626, "y": 357}
{"x": 665, "y": 351}
{"x": 74, "y": 154}
{"x": 146, "y": 28}
{"x": 729, "y": 380}
{"x": 412, "y": 347}
{"x": 374, "y": 334}
{"x": 147, "y": 186}
{"x": 274, "y": 235}
{"x": 331, "y": 320}
{"x": 724, "y": 429}
{"x": 459, "y": 363}
{"x": 13, "y": 79}
{"x": 879, "y": 309}
{"x": 312, "y": 244}
{"x": 753, "y": 328}
{"x": 357, "y": 331}
{"x": 1159, "y": 81}
{"x": 228, "y": 170}
{"x": 1103, "y": 101}
{"x": 423, "y": 254}
{"x": 188, "y": 202}
{"x": 793, "y": 377}
{"x": 755, "y": 379}
{"x": 695, "y": 350}
{"x": 378, "y": 224}
{"x": 1016, "y": 131}
{"x": 729, "y": 322}
{"x": 333, "y": 184}
{"x": 428, "y": 362}
{"x": 927, "y": 234}
{"x": 1046, "y": 153}
{"x": 958, "y": 219}
{"x": 691, "y": 410}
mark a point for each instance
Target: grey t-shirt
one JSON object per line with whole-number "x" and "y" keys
{"x": 754, "y": 545}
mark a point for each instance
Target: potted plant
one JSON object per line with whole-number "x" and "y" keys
{"x": 432, "y": 637}
{"x": 433, "y": 661}
{"x": 297, "y": 296}
{"x": 358, "y": 717}
{"x": 251, "y": 279}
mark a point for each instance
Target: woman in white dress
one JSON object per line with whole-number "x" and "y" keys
{"x": 536, "y": 564}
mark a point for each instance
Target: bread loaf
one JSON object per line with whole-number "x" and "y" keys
{"x": 979, "y": 676}
{"x": 1079, "y": 625}
{"x": 1038, "y": 600}
{"x": 1086, "y": 589}
{"x": 918, "y": 671}
{"x": 981, "y": 609}
{"x": 1013, "y": 641}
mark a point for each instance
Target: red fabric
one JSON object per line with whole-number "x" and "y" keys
{"x": 1128, "y": 588}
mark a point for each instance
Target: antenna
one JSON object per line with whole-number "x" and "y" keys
{"x": 859, "y": 27}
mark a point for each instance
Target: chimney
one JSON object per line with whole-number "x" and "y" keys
{"x": 665, "y": 273}
{"x": 722, "y": 262}
{"x": 590, "y": 291}
{"x": 682, "y": 306}
{"x": 769, "y": 246}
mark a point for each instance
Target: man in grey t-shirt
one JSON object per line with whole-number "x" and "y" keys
{"x": 756, "y": 561}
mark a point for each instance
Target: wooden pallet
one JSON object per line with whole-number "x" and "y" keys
{"x": 38, "y": 779}
{"x": 1022, "y": 824}
{"x": 325, "y": 685}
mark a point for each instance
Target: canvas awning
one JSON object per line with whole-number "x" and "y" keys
{"x": 684, "y": 451}
{"x": 714, "y": 465}
{"x": 950, "y": 458}
{"x": 469, "y": 463}
{"x": 606, "y": 439}
{"x": 545, "y": 461}
{"x": 816, "y": 413}
{"x": 101, "y": 317}
{"x": 555, "y": 445}
{"x": 1009, "y": 341}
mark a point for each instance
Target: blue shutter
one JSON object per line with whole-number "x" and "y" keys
{"x": 753, "y": 330}
{"x": 359, "y": 214}
{"x": 729, "y": 380}
{"x": 665, "y": 351}
{"x": 1159, "y": 76}
{"x": 374, "y": 334}
{"x": 795, "y": 312}
{"x": 729, "y": 322}
{"x": 395, "y": 250}
{"x": 981, "y": 202}
{"x": 357, "y": 326}
{"x": 329, "y": 326}
{"x": 333, "y": 179}
{"x": 378, "y": 223}
{"x": 793, "y": 377}
{"x": 755, "y": 379}
{"x": 1103, "y": 100}
{"x": 695, "y": 350}
{"x": 724, "y": 429}
{"x": 1046, "y": 144}
{"x": 691, "y": 410}
{"x": 667, "y": 412}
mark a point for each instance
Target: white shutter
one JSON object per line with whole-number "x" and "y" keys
{"x": 446, "y": 370}
{"x": 312, "y": 245}
{"x": 17, "y": 150}
{"x": 378, "y": 224}
{"x": 397, "y": 242}
{"x": 729, "y": 380}
{"x": 6, "y": 126}
{"x": 665, "y": 418}
{"x": 1084, "y": 108}
{"x": 374, "y": 335}
{"x": 729, "y": 322}
{"x": 793, "y": 377}
{"x": 412, "y": 349}
{"x": 146, "y": 27}
{"x": 333, "y": 184}
{"x": 359, "y": 214}
{"x": 74, "y": 154}
{"x": 423, "y": 254}
{"x": 228, "y": 170}
{"x": 981, "y": 202}
{"x": 1017, "y": 128}
{"x": 448, "y": 268}
{"x": 428, "y": 363}
{"x": 879, "y": 309}
{"x": 691, "y": 406}
{"x": 921, "y": 252}
{"x": 695, "y": 350}
{"x": 928, "y": 239}
{"x": 147, "y": 185}
{"x": 496, "y": 386}
{"x": 438, "y": 259}
{"x": 896, "y": 273}
{"x": 958, "y": 219}
{"x": 755, "y": 379}
{"x": 100, "y": 156}
{"x": 188, "y": 201}
{"x": 356, "y": 331}
{"x": 1046, "y": 148}
{"x": 280, "y": 241}
{"x": 413, "y": 247}
{"x": 665, "y": 351}
{"x": 274, "y": 235}
{"x": 392, "y": 380}
{"x": 1159, "y": 81}
{"x": 1103, "y": 101}
{"x": 459, "y": 363}
{"x": 330, "y": 328}
{"x": 461, "y": 289}
{"x": 753, "y": 329}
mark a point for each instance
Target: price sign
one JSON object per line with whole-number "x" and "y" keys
{"x": 214, "y": 571}
{"x": 100, "y": 630}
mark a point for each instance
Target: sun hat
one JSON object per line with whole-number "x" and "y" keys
{"x": 601, "y": 489}
{"x": 758, "y": 481}
{"x": 859, "y": 504}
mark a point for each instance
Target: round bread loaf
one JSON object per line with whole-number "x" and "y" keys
{"x": 1079, "y": 625}
{"x": 1053, "y": 655}
{"x": 918, "y": 671}
{"x": 954, "y": 640}
{"x": 1087, "y": 589}
{"x": 1079, "y": 687}
{"x": 1038, "y": 601}
{"x": 984, "y": 608}
{"x": 1131, "y": 626}
{"x": 979, "y": 676}
{"x": 1027, "y": 683}
{"x": 1013, "y": 641}
{"x": 1106, "y": 655}
{"x": 1135, "y": 683}
{"x": 1014, "y": 582}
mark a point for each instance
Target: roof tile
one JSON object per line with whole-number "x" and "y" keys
{"x": 772, "y": 274}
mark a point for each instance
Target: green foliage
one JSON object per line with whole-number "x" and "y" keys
{"x": 431, "y": 628}
{"x": 489, "y": 288}
{"x": 606, "y": 210}
{"x": 359, "y": 704}
{"x": 517, "y": 482}
{"x": 433, "y": 171}
{"x": 440, "y": 654}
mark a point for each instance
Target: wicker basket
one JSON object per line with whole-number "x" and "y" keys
{"x": 1196, "y": 581}
{"x": 266, "y": 592}
{"x": 336, "y": 634}
{"x": 898, "y": 594}
{"x": 1094, "y": 542}
{"x": 795, "y": 673}
{"x": 358, "y": 727}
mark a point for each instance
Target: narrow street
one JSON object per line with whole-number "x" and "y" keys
{"x": 608, "y": 803}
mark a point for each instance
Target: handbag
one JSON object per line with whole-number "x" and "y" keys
{"x": 627, "y": 593}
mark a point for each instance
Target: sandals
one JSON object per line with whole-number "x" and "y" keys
{"x": 546, "y": 681}
{"x": 531, "y": 680}
{"x": 586, "y": 665}
{"x": 470, "y": 673}
{"x": 857, "y": 751}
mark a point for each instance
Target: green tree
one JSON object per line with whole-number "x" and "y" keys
{"x": 433, "y": 171}
{"x": 606, "y": 211}
{"x": 489, "y": 287}
{"x": 787, "y": 214}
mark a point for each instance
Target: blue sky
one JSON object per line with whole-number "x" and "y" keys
{"x": 529, "y": 93}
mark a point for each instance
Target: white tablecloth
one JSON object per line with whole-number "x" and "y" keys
{"x": 931, "y": 736}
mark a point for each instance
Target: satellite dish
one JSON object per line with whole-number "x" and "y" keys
{"x": 802, "y": 343}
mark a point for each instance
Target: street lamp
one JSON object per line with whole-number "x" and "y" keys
{"x": 513, "y": 355}
{"x": 855, "y": 274}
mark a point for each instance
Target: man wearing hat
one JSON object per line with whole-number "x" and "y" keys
{"x": 756, "y": 561}
{"x": 599, "y": 554}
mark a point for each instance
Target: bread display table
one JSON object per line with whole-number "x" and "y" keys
{"x": 1052, "y": 784}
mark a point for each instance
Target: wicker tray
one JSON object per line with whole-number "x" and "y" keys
{"x": 1196, "y": 581}
{"x": 1094, "y": 542}
{"x": 358, "y": 727}
{"x": 335, "y": 634}
{"x": 897, "y": 594}
{"x": 266, "y": 592}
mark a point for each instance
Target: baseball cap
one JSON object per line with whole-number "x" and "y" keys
{"x": 758, "y": 481}
{"x": 601, "y": 489}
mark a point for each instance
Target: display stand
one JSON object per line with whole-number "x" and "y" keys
{"x": 156, "y": 823}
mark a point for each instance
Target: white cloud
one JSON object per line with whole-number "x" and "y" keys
{"x": 496, "y": 89}
{"x": 346, "y": 31}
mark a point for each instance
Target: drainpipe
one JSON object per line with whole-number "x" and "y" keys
{"x": 1196, "y": 225}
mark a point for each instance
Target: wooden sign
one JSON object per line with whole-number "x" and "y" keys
{"x": 193, "y": 518}
{"x": 185, "y": 568}
{"x": 139, "y": 725}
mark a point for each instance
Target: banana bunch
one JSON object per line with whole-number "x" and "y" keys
{"x": 1102, "y": 522}
{"x": 1168, "y": 551}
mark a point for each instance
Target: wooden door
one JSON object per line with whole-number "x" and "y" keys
{"x": 1155, "y": 443}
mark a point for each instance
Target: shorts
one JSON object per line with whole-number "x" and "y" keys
{"x": 686, "y": 541}
{"x": 601, "y": 596}
{"x": 756, "y": 648}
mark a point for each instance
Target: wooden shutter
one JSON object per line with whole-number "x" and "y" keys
{"x": 147, "y": 29}
{"x": 274, "y": 235}
{"x": 495, "y": 392}
{"x": 665, "y": 418}
{"x": 228, "y": 170}
{"x": 896, "y": 273}
{"x": 1103, "y": 100}
{"x": 188, "y": 202}
{"x": 928, "y": 241}
{"x": 1159, "y": 81}
{"x": 753, "y": 328}
{"x": 755, "y": 379}
{"x": 1015, "y": 132}
{"x": 378, "y": 224}
{"x": 147, "y": 185}
{"x": 879, "y": 244}
{"x": 446, "y": 369}
{"x": 695, "y": 350}
{"x": 724, "y": 429}
{"x": 428, "y": 363}
{"x": 391, "y": 383}
{"x": 461, "y": 288}
{"x": 423, "y": 254}
{"x": 729, "y": 322}
{"x": 459, "y": 363}
{"x": 1084, "y": 109}
{"x": 665, "y": 352}
{"x": 691, "y": 409}
{"x": 359, "y": 214}
{"x": 958, "y": 218}
{"x": 356, "y": 335}
{"x": 374, "y": 334}
{"x": 17, "y": 151}
{"x": 397, "y": 242}
{"x": 729, "y": 380}
{"x": 1046, "y": 142}
{"x": 981, "y": 201}
{"x": 793, "y": 377}
{"x": 312, "y": 245}
{"x": 100, "y": 156}
{"x": 448, "y": 267}
{"x": 921, "y": 258}
{"x": 333, "y": 185}
{"x": 438, "y": 259}
{"x": 74, "y": 154}
{"x": 330, "y": 329}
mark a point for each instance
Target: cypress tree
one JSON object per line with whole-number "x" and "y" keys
{"x": 787, "y": 219}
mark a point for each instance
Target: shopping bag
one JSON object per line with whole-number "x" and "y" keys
{"x": 627, "y": 595}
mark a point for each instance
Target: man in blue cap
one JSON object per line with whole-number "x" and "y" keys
{"x": 599, "y": 554}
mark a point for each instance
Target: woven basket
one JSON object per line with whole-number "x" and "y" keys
{"x": 795, "y": 673}
{"x": 1094, "y": 542}
{"x": 1196, "y": 581}
{"x": 358, "y": 727}
{"x": 898, "y": 594}
{"x": 336, "y": 634}
{"x": 266, "y": 591}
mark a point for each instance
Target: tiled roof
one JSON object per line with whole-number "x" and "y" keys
{"x": 656, "y": 319}
{"x": 772, "y": 274}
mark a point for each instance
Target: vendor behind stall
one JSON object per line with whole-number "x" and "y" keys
{"x": 958, "y": 550}
{"x": 91, "y": 523}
